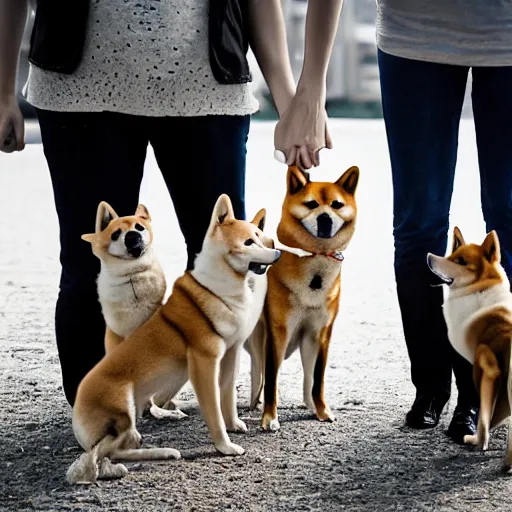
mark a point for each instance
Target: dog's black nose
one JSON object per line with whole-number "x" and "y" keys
{"x": 324, "y": 225}
{"x": 132, "y": 239}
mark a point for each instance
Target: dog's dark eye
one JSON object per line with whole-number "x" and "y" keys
{"x": 115, "y": 235}
{"x": 336, "y": 204}
{"x": 248, "y": 242}
{"x": 311, "y": 205}
{"x": 462, "y": 261}
{"x": 139, "y": 227}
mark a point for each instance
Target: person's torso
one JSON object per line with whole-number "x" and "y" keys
{"x": 463, "y": 32}
{"x": 143, "y": 57}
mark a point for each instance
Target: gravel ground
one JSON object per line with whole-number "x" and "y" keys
{"x": 367, "y": 460}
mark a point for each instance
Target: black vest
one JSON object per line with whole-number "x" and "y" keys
{"x": 60, "y": 27}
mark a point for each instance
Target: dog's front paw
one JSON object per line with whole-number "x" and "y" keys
{"x": 269, "y": 423}
{"x": 325, "y": 414}
{"x": 228, "y": 448}
{"x": 237, "y": 425}
{"x": 162, "y": 413}
{"x": 109, "y": 471}
{"x": 83, "y": 471}
{"x": 309, "y": 404}
{"x": 473, "y": 440}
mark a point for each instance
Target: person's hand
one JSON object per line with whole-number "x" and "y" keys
{"x": 302, "y": 130}
{"x": 12, "y": 127}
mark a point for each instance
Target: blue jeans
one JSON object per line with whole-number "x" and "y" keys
{"x": 422, "y": 104}
{"x": 100, "y": 156}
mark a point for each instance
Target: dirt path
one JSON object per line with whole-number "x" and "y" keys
{"x": 365, "y": 461}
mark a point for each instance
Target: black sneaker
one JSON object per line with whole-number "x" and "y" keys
{"x": 425, "y": 412}
{"x": 464, "y": 423}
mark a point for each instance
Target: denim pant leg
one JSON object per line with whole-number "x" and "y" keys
{"x": 422, "y": 104}
{"x": 492, "y": 107}
{"x": 92, "y": 157}
{"x": 206, "y": 158}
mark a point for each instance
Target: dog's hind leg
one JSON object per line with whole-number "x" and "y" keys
{"x": 507, "y": 463}
{"x": 168, "y": 409}
{"x": 323, "y": 411}
{"x": 127, "y": 448}
{"x": 308, "y": 355}
{"x": 256, "y": 346}
{"x": 489, "y": 385}
{"x": 85, "y": 469}
{"x": 277, "y": 341}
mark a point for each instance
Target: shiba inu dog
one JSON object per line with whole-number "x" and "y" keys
{"x": 131, "y": 282}
{"x": 317, "y": 223}
{"x": 478, "y": 312}
{"x": 196, "y": 334}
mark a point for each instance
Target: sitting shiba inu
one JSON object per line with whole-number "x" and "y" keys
{"x": 317, "y": 223}
{"x": 131, "y": 283}
{"x": 198, "y": 334}
{"x": 478, "y": 312}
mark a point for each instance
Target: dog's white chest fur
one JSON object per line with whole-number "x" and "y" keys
{"x": 130, "y": 292}
{"x": 244, "y": 299}
{"x": 461, "y": 311}
{"x": 247, "y": 309}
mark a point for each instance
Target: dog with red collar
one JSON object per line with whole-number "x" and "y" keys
{"x": 317, "y": 223}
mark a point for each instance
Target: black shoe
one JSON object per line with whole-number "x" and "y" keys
{"x": 464, "y": 423}
{"x": 425, "y": 412}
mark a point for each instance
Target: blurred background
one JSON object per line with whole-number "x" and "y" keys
{"x": 353, "y": 78}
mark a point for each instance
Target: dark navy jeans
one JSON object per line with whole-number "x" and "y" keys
{"x": 422, "y": 105}
{"x": 96, "y": 157}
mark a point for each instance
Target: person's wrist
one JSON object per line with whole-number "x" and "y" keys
{"x": 283, "y": 96}
{"x": 312, "y": 89}
{"x": 7, "y": 96}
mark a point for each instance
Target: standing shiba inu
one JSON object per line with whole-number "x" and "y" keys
{"x": 317, "y": 223}
{"x": 196, "y": 334}
{"x": 478, "y": 313}
{"x": 131, "y": 283}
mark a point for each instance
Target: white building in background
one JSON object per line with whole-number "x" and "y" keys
{"x": 353, "y": 73}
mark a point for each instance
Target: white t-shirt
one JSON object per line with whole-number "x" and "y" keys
{"x": 460, "y": 32}
{"x": 143, "y": 57}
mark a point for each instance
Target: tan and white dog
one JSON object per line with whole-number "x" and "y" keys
{"x": 317, "y": 223}
{"x": 478, "y": 312}
{"x": 198, "y": 334}
{"x": 131, "y": 282}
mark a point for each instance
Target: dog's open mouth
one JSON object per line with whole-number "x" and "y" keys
{"x": 443, "y": 279}
{"x": 136, "y": 252}
{"x": 258, "y": 268}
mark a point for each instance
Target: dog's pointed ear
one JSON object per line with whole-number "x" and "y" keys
{"x": 143, "y": 213}
{"x": 349, "y": 179}
{"x": 222, "y": 211}
{"x": 89, "y": 237}
{"x": 458, "y": 239}
{"x": 491, "y": 247}
{"x": 104, "y": 216}
{"x": 259, "y": 219}
{"x": 296, "y": 179}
